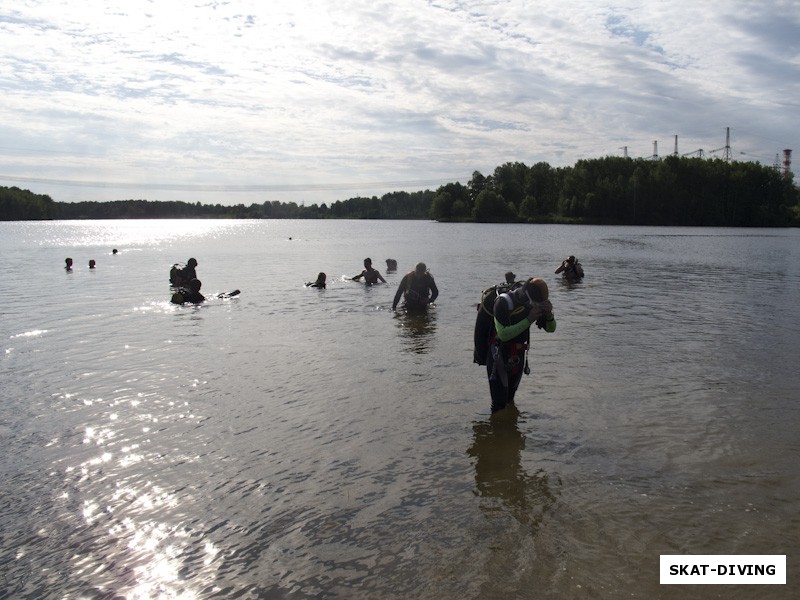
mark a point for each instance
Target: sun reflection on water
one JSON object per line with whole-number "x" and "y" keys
{"x": 131, "y": 539}
{"x": 141, "y": 554}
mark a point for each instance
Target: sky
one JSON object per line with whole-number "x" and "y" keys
{"x": 314, "y": 101}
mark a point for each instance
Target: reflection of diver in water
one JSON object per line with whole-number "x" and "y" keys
{"x": 499, "y": 473}
{"x": 417, "y": 329}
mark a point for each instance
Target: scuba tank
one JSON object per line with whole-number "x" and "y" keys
{"x": 175, "y": 274}
{"x": 484, "y": 322}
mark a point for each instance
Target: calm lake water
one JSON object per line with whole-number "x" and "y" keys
{"x": 298, "y": 443}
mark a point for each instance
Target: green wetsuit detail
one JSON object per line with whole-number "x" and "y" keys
{"x": 508, "y": 332}
{"x": 550, "y": 324}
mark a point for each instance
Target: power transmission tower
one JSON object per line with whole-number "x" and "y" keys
{"x": 726, "y": 155}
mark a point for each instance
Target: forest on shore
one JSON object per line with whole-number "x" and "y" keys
{"x": 612, "y": 191}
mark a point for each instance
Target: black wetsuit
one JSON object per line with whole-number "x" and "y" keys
{"x": 417, "y": 290}
{"x": 506, "y": 360}
{"x": 504, "y": 380}
{"x": 188, "y": 273}
{"x": 193, "y": 297}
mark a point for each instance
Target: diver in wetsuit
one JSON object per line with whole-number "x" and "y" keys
{"x": 570, "y": 268}
{"x": 417, "y": 288}
{"x": 182, "y": 276}
{"x": 514, "y": 313}
{"x": 191, "y": 295}
{"x": 319, "y": 283}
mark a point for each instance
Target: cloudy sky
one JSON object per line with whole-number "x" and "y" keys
{"x": 313, "y": 101}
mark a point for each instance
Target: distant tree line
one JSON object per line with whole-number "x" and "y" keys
{"x": 18, "y": 205}
{"x": 24, "y": 205}
{"x": 624, "y": 191}
{"x": 612, "y": 190}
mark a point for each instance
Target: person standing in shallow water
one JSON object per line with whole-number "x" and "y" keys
{"x": 68, "y": 264}
{"x": 570, "y": 268}
{"x": 189, "y": 272}
{"x": 514, "y": 314}
{"x": 417, "y": 288}
{"x": 182, "y": 276}
{"x": 370, "y": 275}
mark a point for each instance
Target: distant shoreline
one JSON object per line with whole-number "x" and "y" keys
{"x": 675, "y": 191}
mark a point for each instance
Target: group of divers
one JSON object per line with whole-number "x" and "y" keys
{"x": 186, "y": 286}
{"x": 506, "y": 314}
{"x": 417, "y": 288}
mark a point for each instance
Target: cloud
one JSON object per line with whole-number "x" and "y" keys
{"x": 249, "y": 101}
